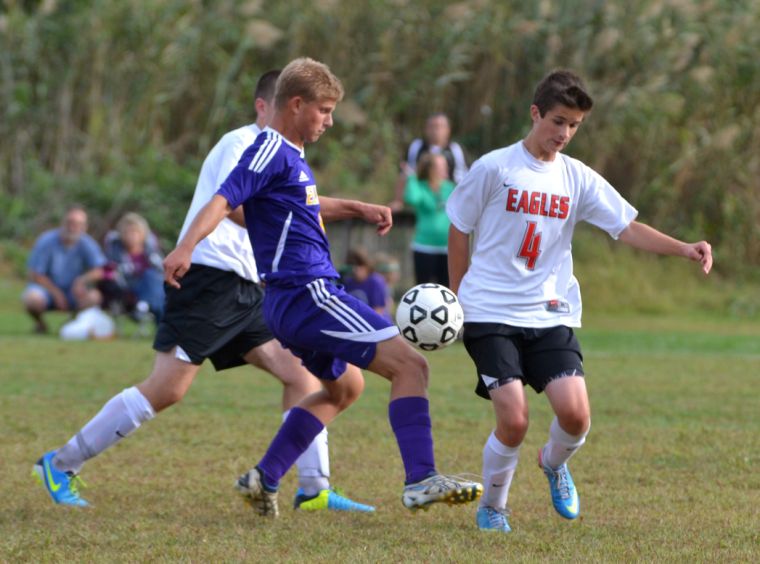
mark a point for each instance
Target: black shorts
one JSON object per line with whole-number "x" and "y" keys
{"x": 503, "y": 353}
{"x": 216, "y": 314}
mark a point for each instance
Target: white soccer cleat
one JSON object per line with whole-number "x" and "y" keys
{"x": 439, "y": 488}
{"x": 251, "y": 487}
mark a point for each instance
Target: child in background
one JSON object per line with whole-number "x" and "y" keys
{"x": 362, "y": 282}
{"x": 389, "y": 268}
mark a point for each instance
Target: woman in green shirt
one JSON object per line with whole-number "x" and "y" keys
{"x": 427, "y": 193}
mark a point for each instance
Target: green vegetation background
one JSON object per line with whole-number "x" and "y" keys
{"x": 114, "y": 104}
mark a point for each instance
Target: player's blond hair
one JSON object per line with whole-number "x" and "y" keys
{"x": 309, "y": 79}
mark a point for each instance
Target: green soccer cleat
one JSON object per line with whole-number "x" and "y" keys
{"x": 63, "y": 487}
{"x": 332, "y": 499}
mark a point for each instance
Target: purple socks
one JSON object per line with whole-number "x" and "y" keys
{"x": 293, "y": 438}
{"x": 410, "y": 421}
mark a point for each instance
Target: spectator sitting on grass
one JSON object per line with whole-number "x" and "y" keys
{"x": 64, "y": 266}
{"x": 134, "y": 273}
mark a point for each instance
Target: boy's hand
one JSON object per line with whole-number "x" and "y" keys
{"x": 176, "y": 264}
{"x": 701, "y": 252}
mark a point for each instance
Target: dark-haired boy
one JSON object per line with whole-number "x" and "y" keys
{"x": 519, "y": 295}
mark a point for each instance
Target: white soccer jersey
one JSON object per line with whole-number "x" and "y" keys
{"x": 228, "y": 246}
{"x": 522, "y": 213}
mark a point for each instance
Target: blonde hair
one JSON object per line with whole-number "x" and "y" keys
{"x": 130, "y": 219}
{"x": 309, "y": 79}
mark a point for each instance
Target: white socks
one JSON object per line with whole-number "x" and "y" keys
{"x": 499, "y": 463}
{"x": 123, "y": 413}
{"x": 561, "y": 446}
{"x": 314, "y": 464}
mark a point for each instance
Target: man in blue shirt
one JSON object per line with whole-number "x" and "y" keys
{"x": 64, "y": 265}
{"x": 332, "y": 332}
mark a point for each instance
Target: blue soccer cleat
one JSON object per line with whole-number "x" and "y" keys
{"x": 63, "y": 487}
{"x": 562, "y": 488}
{"x": 492, "y": 519}
{"x": 332, "y": 499}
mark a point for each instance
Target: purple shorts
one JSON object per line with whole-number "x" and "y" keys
{"x": 325, "y": 327}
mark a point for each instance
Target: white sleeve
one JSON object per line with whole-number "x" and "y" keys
{"x": 411, "y": 156}
{"x": 466, "y": 203}
{"x": 460, "y": 166}
{"x": 229, "y": 160}
{"x": 601, "y": 205}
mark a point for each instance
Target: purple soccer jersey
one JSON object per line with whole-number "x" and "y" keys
{"x": 276, "y": 187}
{"x": 316, "y": 320}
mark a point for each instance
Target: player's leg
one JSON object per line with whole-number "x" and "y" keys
{"x": 305, "y": 421}
{"x": 332, "y": 330}
{"x": 567, "y": 433}
{"x": 314, "y": 491}
{"x": 297, "y": 382}
{"x": 496, "y": 351}
{"x": 569, "y": 400}
{"x": 501, "y": 454}
{"x": 554, "y": 365}
{"x": 120, "y": 417}
{"x": 409, "y": 415}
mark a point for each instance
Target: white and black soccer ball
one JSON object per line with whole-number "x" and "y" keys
{"x": 429, "y": 316}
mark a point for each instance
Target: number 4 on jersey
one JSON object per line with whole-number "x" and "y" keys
{"x": 530, "y": 248}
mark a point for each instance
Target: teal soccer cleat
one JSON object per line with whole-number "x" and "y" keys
{"x": 332, "y": 499}
{"x": 562, "y": 488}
{"x": 492, "y": 519}
{"x": 63, "y": 487}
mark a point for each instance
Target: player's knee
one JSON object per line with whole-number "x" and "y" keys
{"x": 575, "y": 422}
{"x": 414, "y": 367}
{"x": 162, "y": 392}
{"x": 160, "y": 399}
{"x": 512, "y": 427}
{"x": 352, "y": 386}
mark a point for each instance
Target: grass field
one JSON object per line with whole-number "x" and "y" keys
{"x": 669, "y": 473}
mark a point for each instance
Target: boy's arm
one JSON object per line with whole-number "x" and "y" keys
{"x": 238, "y": 216}
{"x": 177, "y": 263}
{"x": 459, "y": 255}
{"x": 646, "y": 238}
{"x": 335, "y": 209}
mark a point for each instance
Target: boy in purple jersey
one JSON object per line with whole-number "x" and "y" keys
{"x": 332, "y": 332}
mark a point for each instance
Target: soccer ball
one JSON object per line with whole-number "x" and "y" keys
{"x": 429, "y": 316}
